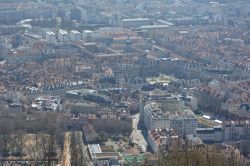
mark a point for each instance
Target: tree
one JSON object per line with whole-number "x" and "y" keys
{"x": 18, "y": 141}
{"x": 121, "y": 127}
{"x": 6, "y": 129}
{"x": 197, "y": 156}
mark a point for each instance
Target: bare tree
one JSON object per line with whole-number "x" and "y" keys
{"x": 6, "y": 129}
{"x": 18, "y": 141}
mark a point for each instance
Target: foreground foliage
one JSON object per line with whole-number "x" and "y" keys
{"x": 201, "y": 156}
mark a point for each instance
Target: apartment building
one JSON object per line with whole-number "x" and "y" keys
{"x": 63, "y": 36}
{"x": 50, "y": 37}
{"x": 182, "y": 121}
{"x": 163, "y": 139}
{"x": 236, "y": 130}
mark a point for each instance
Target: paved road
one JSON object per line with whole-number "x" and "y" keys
{"x": 136, "y": 135}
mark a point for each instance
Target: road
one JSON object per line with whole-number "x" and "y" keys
{"x": 66, "y": 149}
{"x": 136, "y": 134}
{"x": 79, "y": 151}
{"x": 74, "y": 150}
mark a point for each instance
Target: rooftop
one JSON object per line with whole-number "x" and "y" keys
{"x": 155, "y": 110}
{"x": 75, "y": 32}
{"x": 154, "y": 26}
{"x": 135, "y": 19}
{"x": 63, "y": 32}
{"x": 102, "y": 152}
{"x": 45, "y": 103}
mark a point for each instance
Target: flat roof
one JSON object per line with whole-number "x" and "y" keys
{"x": 207, "y": 122}
{"x": 94, "y": 148}
{"x": 87, "y": 31}
{"x": 104, "y": 152}
{"x": 204, "y": 130}
{"x": 183, "y": 32}
{"x": 165, "y": 22}
{"x": 63, "y": 31}
{"x": 154, "y": 26}
{"x": 206, "y": 117}
{"x": 136, "y": 19}
{"x": 50, "y": 33}
{"x": 218, "y": 121}
{"x": 108, "y": 55}
{"x": 75, "y": 32}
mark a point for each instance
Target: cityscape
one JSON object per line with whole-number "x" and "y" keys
{"x": 124, "y": 83}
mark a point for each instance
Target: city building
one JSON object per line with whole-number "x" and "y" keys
{"x": 236, "y": 130}
{"x": 154, "y": 117}
{"x": 182, "y": 121}
{"x": 47, "y": 103}
{"x": 101, "y": 155}
{"x": 210, "y": 135}
{"x": 88, "y": 95}
{"x": 82, "y": 107}
{"x": 164, "y": 140}
{"x": 136, "y": 72}
{"x": 171, "y": 104}
{"x": 86, "y": 35}
{"x": 75, "y": 36}
{"x": 135, "y": 22}
{"x": 75, "y": 13}
{"x": 50, "y": 37}
{"x": 63, "y": 36}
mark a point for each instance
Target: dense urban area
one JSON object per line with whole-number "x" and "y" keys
{"x": 124, "y": 82}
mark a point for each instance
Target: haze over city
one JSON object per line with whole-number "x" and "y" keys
{"x": 124, "y": 83}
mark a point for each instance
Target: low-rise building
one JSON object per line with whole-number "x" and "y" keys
{"x": 47, "y": 103}
{"x": 136, "y": 72}
{"x": 102, "y": 155}
{"x": 163, "y": 139}
{"x": 82, "y": 107}
{"x": 88, "y": 95}
{"x": 214, "y": 134}
{"x": 135, "y": 22}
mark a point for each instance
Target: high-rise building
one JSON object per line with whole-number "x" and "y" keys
{"x": 63, "y": 36}
{"x": 50, "y": 37}
{"x": 75, "y": 14}
{"x": 75, "y": 36}
{"x": 86, "y": 35}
